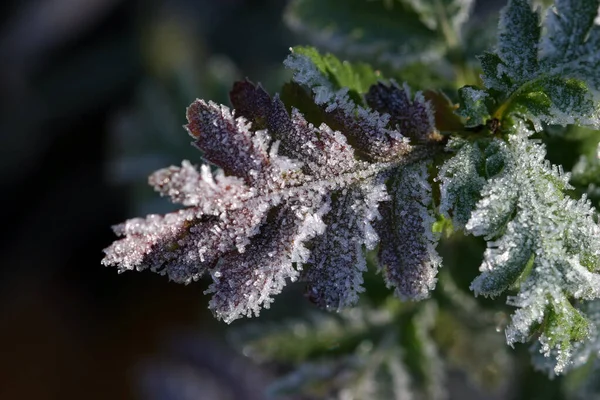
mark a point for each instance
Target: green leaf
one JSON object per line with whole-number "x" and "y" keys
{"x": 473, "y": 106}
{"x": 518, "y": 36}
{"x": 392, "y": 34}
{"x": 494, "y": 75}
{"x": 586, "y": 352}
{"x": 461, "y": 182}
{"x": 542, "y": 239}
{"x": 566, "y": 324}
{"x": 554, "y": 79}
{"x": 357, "y": 77}
{"x": 442, "y": 226}
{"x": 554, "y": 98}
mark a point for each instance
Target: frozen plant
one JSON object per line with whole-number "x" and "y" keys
{"x": 347, "y": 170}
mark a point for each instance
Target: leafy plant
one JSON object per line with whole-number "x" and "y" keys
{"x": 347, "y": 172}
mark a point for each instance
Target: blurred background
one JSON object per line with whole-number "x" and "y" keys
{"x": 93, "y": 96}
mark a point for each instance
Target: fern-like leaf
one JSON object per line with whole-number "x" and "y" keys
{"x": 290, "y": 200}
{"x": 544, "y": 239}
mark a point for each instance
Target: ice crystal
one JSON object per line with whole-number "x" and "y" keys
{"x": 551, "y": 78}
{"x": 543, "y": 238}
{"x": 408, "y": 258}
{"x": 413, "y": 117}
{"x": 375, "y": 133}
{"x": 473, "y": 106}
{"x": 583, "y": 351}
{"x": 461, "y": 182}
{"x": 348, "y": 230}
{"x": 288, "y": 200}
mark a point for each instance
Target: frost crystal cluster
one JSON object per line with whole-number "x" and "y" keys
{"x": 345, "y": 173}
{"x": 289, "y": 199}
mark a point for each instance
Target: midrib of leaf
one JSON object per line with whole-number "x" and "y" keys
{"x": 346, "y": 179}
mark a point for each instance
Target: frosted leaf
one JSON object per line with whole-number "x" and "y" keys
{"x": 375, "y": 137}
{"x": 246, "y": 281}
{"x": 571, "y": 32}
{"x": 290, "y": 196}
{"x": 498, "y": 197}
{"x": 582, "y": 351}
{"x": 380, "y": 132}
{"x": 552, "y": 78}
{"x": 547, "y": 241}
{"x": 461, "y": 181}
{"x": 473, "y": 106}
{"x": 204, "y": 189}
{"x": 324, "y": 152}
{"x": 495, "y": 73}
{"x": 356, "y": 77}
{"x": 336, "y": 265}
{"x": 227, "y": 141}
{"x": 182, "y": 245}
{"x": 512, "y": 251}
{"x": 254, "y": 103}
{"x": 518, "y": 36}
{"x": 585, "y": 355}
{"x": 370, "y": 131}
{"x": 407, "y": 255}
{"x": 412, "y": 116}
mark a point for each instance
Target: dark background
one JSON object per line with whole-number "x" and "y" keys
{"x": 84, "y": 87}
